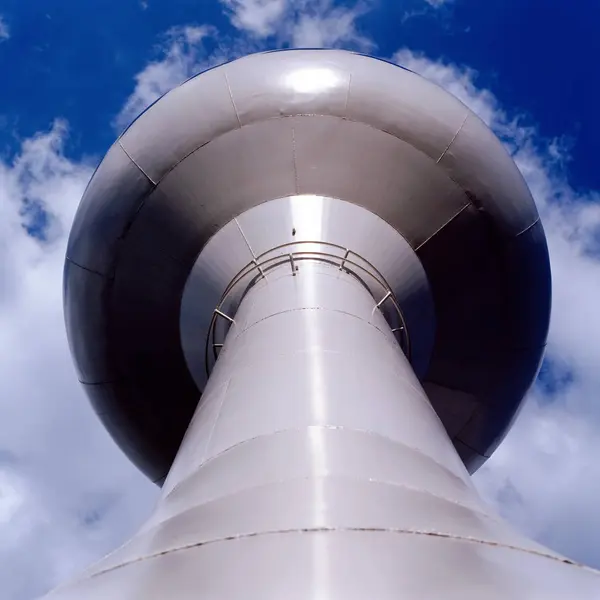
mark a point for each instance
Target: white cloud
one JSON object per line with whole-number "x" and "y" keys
{"x": 183, "y": 54}
{"x": 325, "y": 24}
{"x": 4, "y": 30}
{"x": 300, "y": 23}
{"x": 545, "y": 476}
{"x": 258, "y": 17}
{"x": 459, "y": 81}
{"x": 67, "y": 495}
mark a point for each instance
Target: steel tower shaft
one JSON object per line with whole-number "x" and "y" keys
{"x": 315, "y": 467}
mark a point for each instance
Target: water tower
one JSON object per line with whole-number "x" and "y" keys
{"x": 306, "y": 292}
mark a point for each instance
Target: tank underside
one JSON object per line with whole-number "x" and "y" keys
{"x": 279, "y": 125}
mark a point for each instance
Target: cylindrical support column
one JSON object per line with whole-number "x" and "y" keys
{"x": 308, "y": 359}
{"x": 315, "y": 468}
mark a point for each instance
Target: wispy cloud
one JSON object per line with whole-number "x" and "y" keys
{"x": 66, "y": 493}
{"x": 301, "y": 23}
{"x": 4, "y": 30}
{"x": 181, "y": 54}
{"x": 257, "y": 17}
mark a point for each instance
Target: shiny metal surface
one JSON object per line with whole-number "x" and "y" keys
{"x": 322, "y": 124}
{"x": 315, "y": 467}
{"x": 334, "y": 564}
{"x": 294, "y": 222}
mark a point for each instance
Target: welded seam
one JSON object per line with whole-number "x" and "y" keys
{"x": 528, "y": 227}
{"x": 220, "y": 408}
{"x": 343, "y": 312}
{"x": 443, "y": 226}
{"x": 108, "y": 277}
{"x": 136, "y": 164}
{"x": 453, "y": 139}
{"x": 347, "y": 95}
{"x": 307, "y": 530}
{"x": 237, "y": 114}
{"x": 245, "y": 238}
{"x": 295, "y": 162}
{"x": 350, "y": 478}
{"x": 330, "y": 428}
{"x": 329, "y": 116}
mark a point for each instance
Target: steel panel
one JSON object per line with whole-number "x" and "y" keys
{"x": 240, "y": 420}
{"x": 333, "y": 564}
{"x": 304, "y": 505}
{"x": 114, "y": 194}
{"x": 479, "y": 163}
{"x": 389, "y": 177}
{"x": 86, "y": 319}
{"x": 219, "y": 181}
{"x": 278, "y": 84}
{"x": 188, "y": 117}
{"x": 203, "y": 290}
{"x": 426, "y": 118}
{"x": 289, "y": 455}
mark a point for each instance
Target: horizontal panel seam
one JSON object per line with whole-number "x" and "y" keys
{"x": 308, "y": 530}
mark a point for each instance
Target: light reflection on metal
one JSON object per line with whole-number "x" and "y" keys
{"x": 222, "y": 314}
{"x": 312, "y": 80}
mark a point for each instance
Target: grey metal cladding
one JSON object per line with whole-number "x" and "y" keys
{"x": 188, "y": 117}
{"x": 424, "y": 118}
{"x": 223, "y": 179}
{"x": 316, "y": 122}
{"x": 285, "y": 456}
{"x": 145, "y": 341}
{"x": 109, "y": 204}
{"x": 272, "y": 85}
{"x": 87, "y": 321}
{"x": 363, "y": 165}
{"x": 529, "y": 283}
{"x": 207, "y": 567}
{"x": 479, "y": 163}
{"x": 492, "y": 305}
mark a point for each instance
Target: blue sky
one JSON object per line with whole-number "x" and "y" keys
{"x": 75, "y": 73}
{"x": 77, "y": 60}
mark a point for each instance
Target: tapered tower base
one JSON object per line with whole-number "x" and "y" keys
{"x": 315, "y": 467}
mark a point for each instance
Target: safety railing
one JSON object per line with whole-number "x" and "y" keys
{"x": 347, "y": 260}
